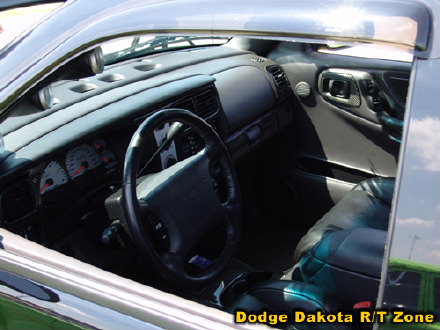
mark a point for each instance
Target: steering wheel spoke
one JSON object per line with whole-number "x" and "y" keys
{"x": 143, "y": 208}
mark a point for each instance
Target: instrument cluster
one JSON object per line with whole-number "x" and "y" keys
{"x": 77, "y": 162}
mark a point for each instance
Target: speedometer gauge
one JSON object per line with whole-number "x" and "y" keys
{"x": 81, "y": 159}
{"x": 53, "y": 176}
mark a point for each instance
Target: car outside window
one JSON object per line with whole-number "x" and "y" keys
{"x": 437, "y": 296}
{"x": 403, "y": 284}
{"x": 127, "y": 48}
{"x": 406, "y": 28}
{"x": 368, "y": 51}
{"x": 14, "y": 22}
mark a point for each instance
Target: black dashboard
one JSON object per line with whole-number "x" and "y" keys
{"x": 63, "y": 162}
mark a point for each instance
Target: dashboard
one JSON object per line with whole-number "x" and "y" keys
{"x": 62, "y": 163}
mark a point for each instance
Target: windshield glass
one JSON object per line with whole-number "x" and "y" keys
{"x": 127, "y": 48}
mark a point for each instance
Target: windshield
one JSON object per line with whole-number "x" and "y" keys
{"x": 127, "y": 48}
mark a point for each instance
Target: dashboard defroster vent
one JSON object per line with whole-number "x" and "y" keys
{"x": 18, "y": 201}
{"x": 278, "y": 75}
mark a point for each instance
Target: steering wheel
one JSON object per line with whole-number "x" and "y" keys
{"x": 182, "y": 201}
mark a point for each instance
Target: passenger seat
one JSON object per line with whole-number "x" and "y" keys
{"x": 367, "y": 205}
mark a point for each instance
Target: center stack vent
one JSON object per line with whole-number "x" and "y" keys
{"x": 204, "y": 104}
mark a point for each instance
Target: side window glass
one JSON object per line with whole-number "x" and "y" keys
{"x": 437, "y": 297}
{"x": 403, "y": 290}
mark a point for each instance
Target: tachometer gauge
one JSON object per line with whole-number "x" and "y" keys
{"x": 81, "y": 159}
{"x": 53, "y": 176}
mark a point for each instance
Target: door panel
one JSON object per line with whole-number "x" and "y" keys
{"x": 346, "y": 130}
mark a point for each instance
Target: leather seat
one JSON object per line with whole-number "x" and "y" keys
{"x": 346, "y": 261}
{"x": 342, "y": 269}
{"x": 339, "y": 261}
{"x": 283, "y": 297}
{"x": 367, "y": 205}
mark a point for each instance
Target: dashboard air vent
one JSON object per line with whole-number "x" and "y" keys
{"x": 186, "y": 104}
{"x": 203, "y": 104}
{"x": 206, "y": 103}
{"x": 279, "y": 76}
{"x": 18, "y": 201}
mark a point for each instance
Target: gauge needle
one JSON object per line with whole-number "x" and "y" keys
{"x": 82, "y": 168}
{"x": 49, "y": 182}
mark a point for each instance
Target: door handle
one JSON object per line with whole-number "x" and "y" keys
{"x": 340, "y": 88}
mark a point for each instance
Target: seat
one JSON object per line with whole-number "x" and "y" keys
{"x": 344, "y": 268}
{"x": 282, "y": 297}
{"x": 367, "y": 205}
{"x": 338, "y": 261}
{"x": 345, "y": 261}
